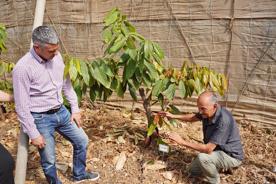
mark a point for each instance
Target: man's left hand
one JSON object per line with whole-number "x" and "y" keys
{"x": 176, "y": 138}
{"x": 76, "y": 117}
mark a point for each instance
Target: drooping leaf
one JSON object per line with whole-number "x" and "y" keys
{"x": 101, "y": 77}
{"x": 174, "y": 109}
{"x": 84, "y": 72}
{"x": 129, "y": 69}
{"x": 106, "y": 69}
{"x": 170, "y": 92}
{"x": 107, "y": 35}
{"x": 197, "y": 86}
{"x": 182, "y": 89}
{"x": 146, "y": 79}
{"x": 151, "y": 129}
{"x": 118, "y": 44}
{"x": 159, "y": 52}
{"x": 78, "y": 91}
{"x": 130, "y": 27}
{"x": 77, "y": 64}
{"x": 131, "y": 43}
{"x": 132, "y": 53}
{"x": 92, "y": 93}
{"x": 121, "y": 90}
{"x": 152, "y": 71}
{"x": 132, "y": 91}
{"x": 72, "y": 70}
{"x": 111, "y": 17}
{"x": 114, "y": 83}
{"x": 156, "y": 90}
{"x": 173, "y": 122}
{"x": 147, "y": 49}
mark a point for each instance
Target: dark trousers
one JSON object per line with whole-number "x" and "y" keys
{"x": 6, "y": 166}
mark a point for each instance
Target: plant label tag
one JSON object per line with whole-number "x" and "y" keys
{"x": 163, "y": 148}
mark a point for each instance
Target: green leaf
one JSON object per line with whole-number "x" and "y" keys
{"x": 159, "y": 52}
{"x": 114, "y": 84}
{"x": 77, "y": 64}
{"x": 197, "y": 86}
{"x": 147, "y": 49}
{"x": 214, "y": 80}
{"x": 78, "y": 91}
{"x": 153, "y": 73}
{"x": 106, "y": 93}
{"x": 101, "y": 77}
{"x": 151, "y": 129}
{"x": 173, "y": 122}
{"x": 174, "y": 109}
{"x": 170, "y": 92}
{"x": 182, "y": 89}
{"x": 130, "y": 27}
{"x": 132, "y": 91}
{"x": 132, "y": 53}
{"x": 146, "y": 80}
{"x": 92, "y": 94}
{"x": 118, "y": 44}
{"x": 84, "y": 72}
{"x": 129, "y": 69}
{"x": 106, "y": 69}
{"x": 130, "y": 43}
{"x": 107, "y": 35}
{"x": 73, "y": 71}
{"x": 156, "y": 90}
{"x": 135, "y": 81}
{"x": 121, "y": 90}
{"x": 111, "y": 17}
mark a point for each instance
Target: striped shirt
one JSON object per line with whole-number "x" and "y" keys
{"x": 38, "y": 87}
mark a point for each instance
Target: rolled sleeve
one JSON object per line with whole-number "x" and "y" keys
{"x": 21, "y": 88}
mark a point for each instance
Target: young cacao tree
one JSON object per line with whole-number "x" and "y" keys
{"x": 134, "y": 63}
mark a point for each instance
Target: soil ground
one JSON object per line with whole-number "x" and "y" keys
{"x": 116, "y": 131}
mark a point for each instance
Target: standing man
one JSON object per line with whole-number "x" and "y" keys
{"x": 222, "y": 148}
{"x": 6, "y": 160}
{"x": 38, "y": 84}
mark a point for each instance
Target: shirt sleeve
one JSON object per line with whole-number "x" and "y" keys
{"x": 21, "y": 90}
{"x": 70, "y": 95}
{"x": 220, "y": 134}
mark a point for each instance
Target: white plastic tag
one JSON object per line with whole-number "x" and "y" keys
{"x": 163, "y": 148}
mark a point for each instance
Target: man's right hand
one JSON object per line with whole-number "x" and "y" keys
{"x": 39, "y": 142}
{"x": 165, "y": 114}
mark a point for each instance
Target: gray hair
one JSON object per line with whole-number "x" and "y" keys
{"x": 213, "y": 98}
{"x": 44, "y": 35}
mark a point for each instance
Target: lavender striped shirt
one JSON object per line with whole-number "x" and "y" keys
{"x": 38, "y": 87}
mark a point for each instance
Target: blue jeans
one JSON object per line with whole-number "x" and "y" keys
{"x": 60, "y": 121}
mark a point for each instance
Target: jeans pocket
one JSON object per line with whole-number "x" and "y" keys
{"x": 37, "y": 117}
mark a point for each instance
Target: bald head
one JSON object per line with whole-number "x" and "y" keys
{"x": 208, "y": 97}
{"x": 207, "y": 103}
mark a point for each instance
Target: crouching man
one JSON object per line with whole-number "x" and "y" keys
{"x": 222, "y": 148}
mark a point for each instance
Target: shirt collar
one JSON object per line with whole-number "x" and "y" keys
{"x": 37, "y": 57}
{"x": 216, "y": 116}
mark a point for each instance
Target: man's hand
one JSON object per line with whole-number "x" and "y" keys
{"x": 76, "y": 117}
{"x": 176, "y": 138}
{"x": 165, "y": 114}
{"x": 39, "y": 142}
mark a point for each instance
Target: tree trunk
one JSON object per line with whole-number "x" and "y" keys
{"x": 147, "y": 107}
